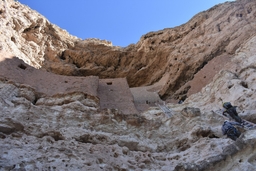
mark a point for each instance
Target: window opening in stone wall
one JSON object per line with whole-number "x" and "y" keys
{"x": 22, "y": 66}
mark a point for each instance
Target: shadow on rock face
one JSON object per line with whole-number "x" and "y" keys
{"x": 9, "y": 126}
{"x": 54, "y": 134}
{"x": 191, "y": 112}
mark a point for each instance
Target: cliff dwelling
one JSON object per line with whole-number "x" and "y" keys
{"x": 73, "y": 104}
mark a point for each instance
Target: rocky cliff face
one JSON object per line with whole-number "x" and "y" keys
{"x": 177, "y": 52}
{"x": 51, "y": 120}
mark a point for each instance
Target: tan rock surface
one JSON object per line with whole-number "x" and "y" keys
{"x": 46, "y": 83}
{"x": 65, "y": 122}
{"x": 179, "y": 52}
{"x": 116, "y": 94}
{"x": 30, "y": 36}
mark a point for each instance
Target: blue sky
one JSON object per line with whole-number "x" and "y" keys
{"x": 120, "y": 21}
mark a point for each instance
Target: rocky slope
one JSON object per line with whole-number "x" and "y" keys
{"x": 55, "y": 122}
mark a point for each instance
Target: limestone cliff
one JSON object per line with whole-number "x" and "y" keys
{"x": 51, "y": 120}
{"x": 178, "y": 52}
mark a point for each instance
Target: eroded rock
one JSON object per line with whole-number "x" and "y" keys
{"x": 58, "y": 122}
{"x": 191, "y": 112}
{"x": 178, "y": 52}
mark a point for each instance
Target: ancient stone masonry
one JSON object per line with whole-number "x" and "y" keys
{"x": 178, "y": 52}
{"x": 45, "y": 83}
{"x": 116, "y": 94}
{"x": 72, "y": 104}
{"x": 109, "y": 93}
{"x": 173, "y": 51}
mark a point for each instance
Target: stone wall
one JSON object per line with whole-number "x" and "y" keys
{"x": 116, "y": 94}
